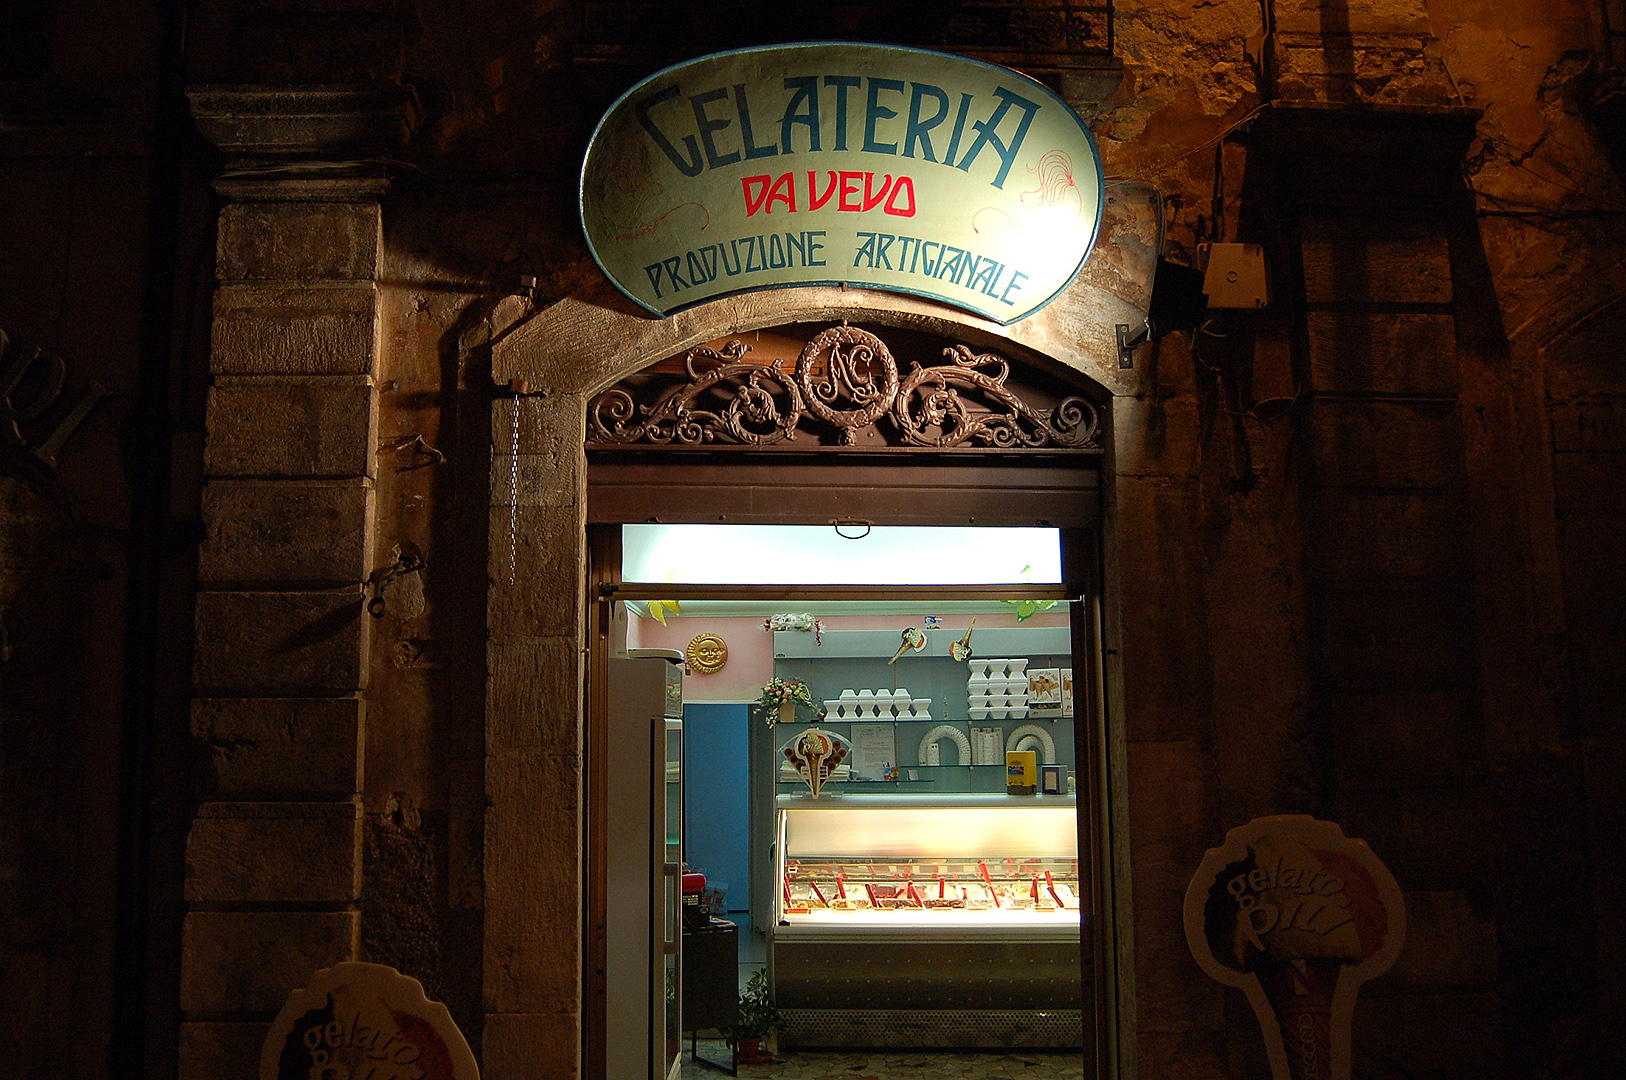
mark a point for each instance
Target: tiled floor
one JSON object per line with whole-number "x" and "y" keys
{"x": 895, "y": 1065}
{"x": 877, "y": 1064}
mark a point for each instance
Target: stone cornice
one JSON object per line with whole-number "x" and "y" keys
{"x": 333, "y": 124}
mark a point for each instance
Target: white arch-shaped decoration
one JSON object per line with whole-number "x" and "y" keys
{"x": 946, "y": 731}
{"x": 1033, "y": 731}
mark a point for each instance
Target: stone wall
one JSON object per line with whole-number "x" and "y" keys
{"x": 273, "y": 868}
{"x": 1361, "y": 551}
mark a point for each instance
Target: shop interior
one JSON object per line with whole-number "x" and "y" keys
{"x": 915, "y": 901}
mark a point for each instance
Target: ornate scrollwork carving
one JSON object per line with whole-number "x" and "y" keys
{"x": 932, "y": 398}
{"x": 747, "y": 410}
{"x": 858, "y": 369}
{"x": 846, "y": 380}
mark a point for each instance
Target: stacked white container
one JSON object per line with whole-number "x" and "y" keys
{"x": 997, "y": 689}
{"x": 877, "y": 705}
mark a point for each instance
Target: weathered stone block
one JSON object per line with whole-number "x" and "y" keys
{"x": 527, "y": 1046}
{"x": 552, "y": 424}
{"x": 1449, "y": 1034}
{"x": 1167, "y": 670}
{"x": 221, "y": 1051}
{"x": 532, "y": 850}
{"x": 1432, "y": 838}
{"x": 1388, "y": 536}
{"x": 1387, "y": 737}
{"x": 1380, "y": 261}
{"x": 291, "y": 427}
{"x": 1370, "y": 17}
{"x": 1448, "y": 944}
{"x": 249, "y": 961}
{"x": 260, "y": 330}
{"x": 1406, "y": 637}
{"x": 1365, "y": 443}
{"x": 534, "y": 480}
{"x": 1594, "y": 597}
{"x": 299, "y": 240}
{"x": 287, "y": 852}
{"x": 537, "y": 559}
{"x": 282, "y": 747}
{"x": 287, "y": 530}
{"x": 1582, "y": 361}
{"x": 1597, "y": 426}
{"x": 1156, "y": 437}
{"x": 281, "y": 641}
{"x": 532, "y": 686}
{"x": 1172, "y": 993}
{"x": 1190, "y": 1055}
{"x": 1261, "y": 676}
{"x": 1358, "y": 352}
{"x": 1172, "y": 810}
{"x": 1593, "y": 484}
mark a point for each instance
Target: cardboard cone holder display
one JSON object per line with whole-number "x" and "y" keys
{"x": 1297, "y": 916}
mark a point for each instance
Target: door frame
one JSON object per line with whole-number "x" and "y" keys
{"x": 1082, "y": 578}
{"x": 549, "y": 363}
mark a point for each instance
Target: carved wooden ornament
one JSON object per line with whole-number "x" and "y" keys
{"x": 365, "y": 1022}
{"x": 1298, "y": 916}
{"x": 846, "y": 384}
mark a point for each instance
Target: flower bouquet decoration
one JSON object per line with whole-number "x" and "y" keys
{"x": 780, "y": 698}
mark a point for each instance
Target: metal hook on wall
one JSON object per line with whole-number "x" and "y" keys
{"x": 427, "y": 454}
{"x": 407, "y": 560}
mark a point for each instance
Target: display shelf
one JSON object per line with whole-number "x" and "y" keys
{"x": 916, "y": 779}
{"x": 993, "y": 641}
{"x": 947, "y": 776}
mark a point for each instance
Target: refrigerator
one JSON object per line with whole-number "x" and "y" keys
{"x": 644, "y": 866}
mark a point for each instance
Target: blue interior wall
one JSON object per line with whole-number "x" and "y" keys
{"x": 716, "y": 794}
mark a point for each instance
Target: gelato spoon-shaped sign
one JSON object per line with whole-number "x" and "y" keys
{"x": 823, "y": 163}
{"x": 1298, "y": 916}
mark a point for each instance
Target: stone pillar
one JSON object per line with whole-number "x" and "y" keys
{"x": 273, "y": 867}
{"x": 535, "y": 652}
{"x": 1400, "y": 685}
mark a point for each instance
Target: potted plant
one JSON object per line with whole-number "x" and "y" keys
{"x": 757, "y": 1017}
{"x": 779, "y": 699}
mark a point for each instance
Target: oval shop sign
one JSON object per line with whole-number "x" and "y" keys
{"x": 891, "y": 168}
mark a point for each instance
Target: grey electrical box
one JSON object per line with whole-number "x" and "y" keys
{"x": 1234, "y": 275}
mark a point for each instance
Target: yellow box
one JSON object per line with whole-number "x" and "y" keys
{"x": 1021, "y": 772}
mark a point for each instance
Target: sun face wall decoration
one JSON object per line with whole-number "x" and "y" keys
{"x": 706, "y": 653}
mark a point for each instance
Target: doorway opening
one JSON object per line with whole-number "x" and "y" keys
{"x": 821, "y": 428}
{"x": 914, "y": 902}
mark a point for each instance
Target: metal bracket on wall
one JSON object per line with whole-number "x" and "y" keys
{"x": 1128, "y": 340}
{"x": 408, "y": 560}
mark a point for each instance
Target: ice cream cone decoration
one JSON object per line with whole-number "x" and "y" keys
{"x": 815, "y": 755}
{"x": 1298, "y": 916}
{"x": 913, "y": 638}
{"x": 961, "y": 650}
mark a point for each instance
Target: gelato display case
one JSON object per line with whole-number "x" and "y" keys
{"x": 928, "y": 920}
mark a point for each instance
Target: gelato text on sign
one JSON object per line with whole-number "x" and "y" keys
{"x": 892, "y": 168}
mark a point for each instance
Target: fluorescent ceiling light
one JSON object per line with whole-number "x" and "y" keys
{"x": 816, "y": 555}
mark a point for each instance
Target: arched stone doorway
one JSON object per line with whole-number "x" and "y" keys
{"x": 555, "y": 363}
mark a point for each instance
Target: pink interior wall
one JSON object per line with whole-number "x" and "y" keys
{"x": 750, "y": 653}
